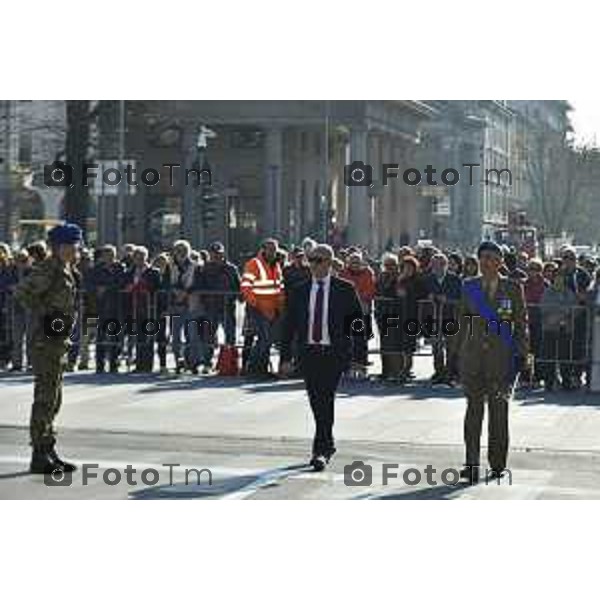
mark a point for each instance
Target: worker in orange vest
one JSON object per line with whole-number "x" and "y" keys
{"x": 262, "y": 289}
{"x": 361, "y": 276}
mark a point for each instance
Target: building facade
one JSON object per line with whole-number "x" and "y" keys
{"x": 33, "y": 134}
{"x": 277, "y": 167}
{"x": 475, "y": 138}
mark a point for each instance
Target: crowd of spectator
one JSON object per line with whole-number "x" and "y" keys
{"x": 231, "y": 307}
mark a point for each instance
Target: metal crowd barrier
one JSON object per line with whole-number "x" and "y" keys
{"x": 560, "y": 334}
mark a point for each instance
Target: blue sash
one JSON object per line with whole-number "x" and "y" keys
{"x": 476, "y": 296}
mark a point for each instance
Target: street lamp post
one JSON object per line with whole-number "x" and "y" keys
{"x": 326, "y": 200}
{"x": 5, "y": 191}
{"x": 122, "y": 188}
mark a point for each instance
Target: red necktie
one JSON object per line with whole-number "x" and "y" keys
{"x": 317, "y": 329}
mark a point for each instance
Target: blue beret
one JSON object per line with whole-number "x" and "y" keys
{"x": 69, "y": 233}
{"x": 489, "y": 246}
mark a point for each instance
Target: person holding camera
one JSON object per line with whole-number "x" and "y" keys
{"x": 320, "y": 314}
{"x": 49, "y": 294}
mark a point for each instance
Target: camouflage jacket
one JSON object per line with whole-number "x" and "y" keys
{"x": 50, "y": 289}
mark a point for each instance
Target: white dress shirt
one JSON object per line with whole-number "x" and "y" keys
{"x": 325, "y": 339}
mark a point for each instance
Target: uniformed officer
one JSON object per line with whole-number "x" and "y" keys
{"x": 493, "y": 347}
{"x": 49, "y": 292}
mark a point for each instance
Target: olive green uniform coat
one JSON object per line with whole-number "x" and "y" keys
{"x": 485, "y": 364}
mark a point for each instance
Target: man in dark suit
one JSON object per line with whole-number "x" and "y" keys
{"x": 493, "y": 346}
{"x": 320, "y": 314}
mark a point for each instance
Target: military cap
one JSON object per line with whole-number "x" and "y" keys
{"x": 489, "y": 246}
{"x": 69, "y": 233}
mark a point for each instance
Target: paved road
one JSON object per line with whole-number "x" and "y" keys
{"x": 254, "y": 439}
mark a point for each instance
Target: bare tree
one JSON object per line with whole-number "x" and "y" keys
{"x": 560, "y": 178}
{"x": 80, "y": 116}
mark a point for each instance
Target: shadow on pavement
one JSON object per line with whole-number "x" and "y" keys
{"x": 155, "y": 382}
{"x": 88, "y": 378}
{"x": 559, "y": 398}
{"x": 440, "y": 492}
{"x": 416, "y": 390}
{"x": 191, "y": 491}
{"x": 223, "y": 488}
{"x": 15, "y": 475}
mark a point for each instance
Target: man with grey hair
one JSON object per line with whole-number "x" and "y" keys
{"x": 320, "y": 315}
{"x": 443, "y": 290}
{"x": 107, "y": 280}
{"x": 308, "y": 245}
{"x": 183, "y": 274}
{"x": 141, "y": 283}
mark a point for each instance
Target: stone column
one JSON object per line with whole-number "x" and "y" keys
{"x": 5, "y": 187}
{"x": 386, "y": 202}
{"x": 191, "y": 211}
{"x": 273, "y": 182}
{"x": 358, "y": 198}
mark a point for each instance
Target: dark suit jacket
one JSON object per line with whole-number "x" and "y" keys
{"x": 344, "y": 306}
{"x": 451, "y": 287}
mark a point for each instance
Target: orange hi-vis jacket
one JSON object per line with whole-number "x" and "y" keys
{"x": 262, "y": 286}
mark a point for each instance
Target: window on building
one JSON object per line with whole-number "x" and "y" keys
{"x": 25, "y": 148}
{"x": 303, "y": 142}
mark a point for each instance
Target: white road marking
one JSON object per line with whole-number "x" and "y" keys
{"x": 108, "y": 464}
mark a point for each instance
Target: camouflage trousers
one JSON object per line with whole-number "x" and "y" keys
{"x": 497, "y": 396}
{"x": 48, "y": 364}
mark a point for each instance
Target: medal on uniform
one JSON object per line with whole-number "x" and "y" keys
{"x": 505, "y": 308}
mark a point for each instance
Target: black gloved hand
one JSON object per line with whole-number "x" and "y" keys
{"x": 522, "y": 364}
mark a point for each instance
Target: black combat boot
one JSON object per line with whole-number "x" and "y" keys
{"x": 67, "y": 467}
{"x": 470, "y": 473}
{"x": 41, "y": 461}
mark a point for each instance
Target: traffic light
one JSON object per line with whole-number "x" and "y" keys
{"x": 209, "y": 208}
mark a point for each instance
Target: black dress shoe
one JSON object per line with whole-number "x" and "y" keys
{"x": 318, "y": 463}
{"x": 42, "y": 463}
{"x": 470, "y": 473}
{"x": 63, "y": 465}
{"x": 495, "y": 474}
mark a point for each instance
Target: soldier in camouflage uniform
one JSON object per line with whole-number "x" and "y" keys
{"x": 49, "y": 293}
{"x": 490, "y": 354}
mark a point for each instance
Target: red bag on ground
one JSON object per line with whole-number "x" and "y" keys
{"x": 228, "y": 361}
